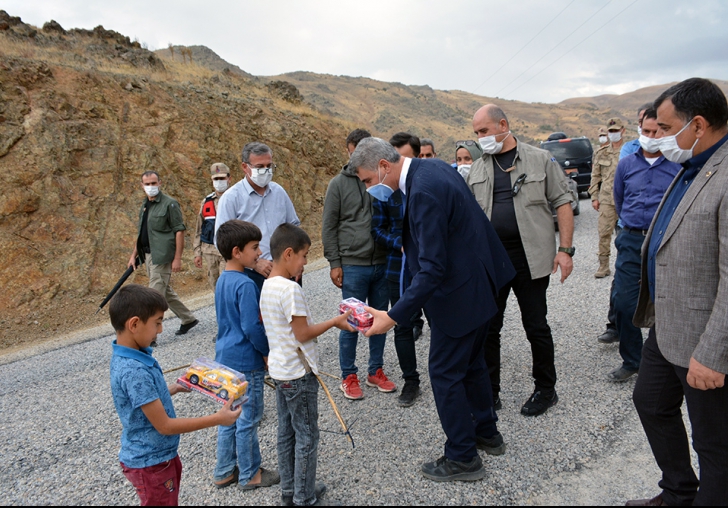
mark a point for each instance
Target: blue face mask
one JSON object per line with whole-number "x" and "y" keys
{"x": 380, "y": 191}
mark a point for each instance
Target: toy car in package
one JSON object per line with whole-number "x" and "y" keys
{"x": 359, "y": 317}
{"x": 216, "y": 381}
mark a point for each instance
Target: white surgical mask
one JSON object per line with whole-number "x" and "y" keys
{"x": 464, "y": 170}
{"x": 614, "y": 137}
{"x": 672, "y": 151}
{"x": 639, "y": 130}
{"x": 220, "y": 185}
{"x": 151, "y": 190}
{"x": 603, "y": 139}
{"x": 650, "y": 145}
{"x": 490, "y": 145}
{"x": 261, "y": 180}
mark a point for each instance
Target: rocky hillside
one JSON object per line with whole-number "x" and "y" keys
{"x": 445, "y": 115}
{"x": 82, "y": 114}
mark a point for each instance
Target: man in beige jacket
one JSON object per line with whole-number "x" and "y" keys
{"x": 684, "y": 298}
{"x": 514, "y": 183}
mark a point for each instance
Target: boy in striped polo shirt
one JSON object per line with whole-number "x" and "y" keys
{"x": 293, "y": 364}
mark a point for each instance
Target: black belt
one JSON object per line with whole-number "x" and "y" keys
{"x": 633, "y": 231}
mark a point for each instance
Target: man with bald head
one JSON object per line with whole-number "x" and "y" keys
{"x": 514, "y": 183}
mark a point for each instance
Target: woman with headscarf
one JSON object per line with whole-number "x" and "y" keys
{"x": 465, "y": 153}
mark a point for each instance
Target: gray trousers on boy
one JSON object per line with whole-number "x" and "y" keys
{"x": 298, "y": 437}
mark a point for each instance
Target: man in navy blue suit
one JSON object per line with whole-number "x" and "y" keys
{"x": 456, "y": 260}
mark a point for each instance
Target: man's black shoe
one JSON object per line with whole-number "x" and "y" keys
{"x": 497, "y": 404}
{"x": 416, "y": 332}
{"x": 409, "y": 394}
{"x": 492, "y": 446}
{"x": 539, "y": 403}
{"x": 186, "y": 328}
{"x": 609, "y": 336}
{"x": 446, "y": 470}
{"x": 620, "y": 375}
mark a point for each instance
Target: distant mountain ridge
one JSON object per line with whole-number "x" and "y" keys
{"x": 203, "y": 56}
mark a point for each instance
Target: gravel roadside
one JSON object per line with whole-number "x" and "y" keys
{"x": 59, "y": 432}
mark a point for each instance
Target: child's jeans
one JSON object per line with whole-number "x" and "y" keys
{"x": 238, "y": 443}
{"x": 298, "y": 437}
{"x": 156, "y": 485}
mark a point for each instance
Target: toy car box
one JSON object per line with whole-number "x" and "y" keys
{"x": 215, "y": 381}
{"x": 359, "y": 317}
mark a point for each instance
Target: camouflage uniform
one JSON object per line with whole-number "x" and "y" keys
{"x": 604, "y": 168}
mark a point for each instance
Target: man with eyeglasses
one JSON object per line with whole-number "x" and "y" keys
{"x": 258, "y": 200}
{"x": 514, "y": 183}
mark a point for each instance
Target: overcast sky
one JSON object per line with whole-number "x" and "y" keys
{"x": 527, "y": 50}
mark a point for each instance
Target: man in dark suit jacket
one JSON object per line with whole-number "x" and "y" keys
{"x": 456, "y": 261}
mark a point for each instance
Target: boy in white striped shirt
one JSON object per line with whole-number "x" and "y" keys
{"x": 292, "y": 363}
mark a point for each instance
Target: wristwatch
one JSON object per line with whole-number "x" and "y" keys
{"x": 569, "y": 250}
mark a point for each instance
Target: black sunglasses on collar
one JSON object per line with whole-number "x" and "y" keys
{"x": 518, "y": 184}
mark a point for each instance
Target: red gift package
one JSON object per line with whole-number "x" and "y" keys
{"x": 359, "y": 317}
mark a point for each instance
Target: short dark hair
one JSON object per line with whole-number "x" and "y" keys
{"x": 150, "y": 173}
{"x": 236, "y": 233}
{"x": 650, "y": 112}
{"x": 405, "y": 138}
{"x": 428, "y": 142}
{"x": 288, "y": 236}
{"x": 644, "y": 107}
{"x": 357, "y": 135}
{"x": 134, "y": 300}
{"x": 697, "y": 96}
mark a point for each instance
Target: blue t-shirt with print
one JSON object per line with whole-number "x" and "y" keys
{"x": 136, "y": 380}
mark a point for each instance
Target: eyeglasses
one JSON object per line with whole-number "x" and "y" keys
{"x": 466, "y": 142}
{"x": 263, "y": 170}
{"x": 518, "y": 184}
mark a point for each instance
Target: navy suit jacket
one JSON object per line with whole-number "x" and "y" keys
{"x": 457, "y": 262}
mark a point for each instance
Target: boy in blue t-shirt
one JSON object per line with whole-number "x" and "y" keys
{"x": 150, "y": 434}
{"x": 241, "y": 345}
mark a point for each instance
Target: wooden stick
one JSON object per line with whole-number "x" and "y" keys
{"x": 176, "y": 368}
{"x": 330, "y": 375}
{"x": 336, "y": 410}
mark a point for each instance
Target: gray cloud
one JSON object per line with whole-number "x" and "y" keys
{"x": 447, "y": 45}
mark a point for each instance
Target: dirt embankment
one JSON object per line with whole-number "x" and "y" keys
{"x": 82, "y": 114}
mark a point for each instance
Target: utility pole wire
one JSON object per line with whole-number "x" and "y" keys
{"x": 572, "y": 49}
{"x": 551, "y": 50}
{"x": 523, "y": 47}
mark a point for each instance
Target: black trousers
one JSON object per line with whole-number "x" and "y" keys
{"x": 462, "y": 391}
{"x": 658, "y": 397}
{"x": 531, "y": 295}
{"x": 404, "y": 341}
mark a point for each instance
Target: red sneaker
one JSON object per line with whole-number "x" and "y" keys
{"x": 350, "y": 387}
{"x": 380, "y": 381}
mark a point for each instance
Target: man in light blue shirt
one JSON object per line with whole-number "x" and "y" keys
{"x": 258, "y": 200}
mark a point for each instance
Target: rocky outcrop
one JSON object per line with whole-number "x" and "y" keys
{"x": 74, "y": 141}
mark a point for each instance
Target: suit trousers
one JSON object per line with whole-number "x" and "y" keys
{"x": 605, "y": 226}
{"x": 159, "y": 279}
{"x": 658, "y": 396}
{"x": 462, "y": 391}
{"x": 531, "y": 295}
